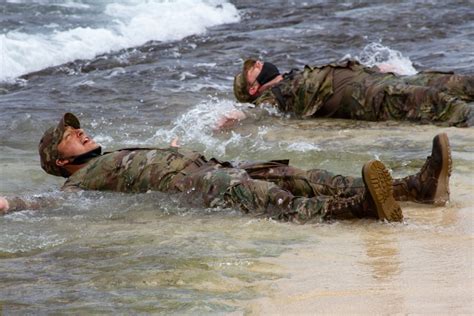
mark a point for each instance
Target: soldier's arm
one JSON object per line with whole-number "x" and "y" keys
{"x": 390, "y": 68}
{"x": 15, "y": 204}
{"x": 175, "y": 143}
{"x": 4, "y": 205}
{"x": 228, "y": 120}
{"x": 250, "y": 114}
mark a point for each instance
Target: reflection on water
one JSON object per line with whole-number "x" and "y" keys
{"x": 383, "y": 255}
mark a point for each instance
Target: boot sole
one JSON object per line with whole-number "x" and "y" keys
{"x": 379, "y": 183}
{"x": 442, "y": 189}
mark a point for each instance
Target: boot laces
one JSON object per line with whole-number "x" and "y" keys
{"x": 426, "y": 169}
{"x": 339, "y": 204}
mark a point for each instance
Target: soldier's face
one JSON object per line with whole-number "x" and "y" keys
{"x": 252, "y": 75}
{"x": 75, "y": 142}
{"x": 253, "y": 72}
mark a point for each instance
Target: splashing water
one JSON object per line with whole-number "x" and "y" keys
{"x": 375, "y": 54}
{"x": 197, "y": 128}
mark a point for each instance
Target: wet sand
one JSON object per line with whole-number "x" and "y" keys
{"x": 421, "y": 266}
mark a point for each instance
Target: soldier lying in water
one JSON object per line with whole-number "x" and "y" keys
{"x": 273, "y": 189}
{"x": 352, "y": 91}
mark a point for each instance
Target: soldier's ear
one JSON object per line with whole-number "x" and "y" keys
{"x": 62, "y": 162}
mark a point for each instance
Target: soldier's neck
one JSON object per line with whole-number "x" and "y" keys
{"x": 74, "y": 168}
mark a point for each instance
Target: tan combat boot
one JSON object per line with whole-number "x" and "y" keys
{"x": 375, "y": 201}
{"x": 431, "y": 184}
{"x": 378, "y": 181}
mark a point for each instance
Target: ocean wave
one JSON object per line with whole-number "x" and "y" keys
{"x": 131, "y": 23}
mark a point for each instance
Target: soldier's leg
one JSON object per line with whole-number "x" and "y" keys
{"x": 263, "y": 198}
{"x": 317, "y": 182}
{"x": 233, "y": 187}
{"x": 461, "y": 86}
{"x": 225, "y": 187}
{"x": 307, "y": 183}
{"x": 345, "y": 185}
{"x": 417, "y": 103}
{"x": 376, "y": 185}
{"x": 431, "y": 184}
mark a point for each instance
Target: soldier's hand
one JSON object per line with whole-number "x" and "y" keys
{"x": 229, "y": 119}
{"x": 3, "y": 205}
{"x": 386, "y": 67}
{"x": 175, "y": 142}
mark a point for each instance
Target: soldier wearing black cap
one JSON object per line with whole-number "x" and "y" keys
{"x": 353, "y": 91}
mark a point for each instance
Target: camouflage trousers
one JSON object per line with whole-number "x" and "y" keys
{"x": 271, "y": 189}
{"x": 426, "y": 97}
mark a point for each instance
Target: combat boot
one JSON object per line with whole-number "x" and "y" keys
{"x": 431, "y": 184}
{"x": 341, "y": 207}
{"x": 376, "y": 200}
{"x": 378, "y": 182}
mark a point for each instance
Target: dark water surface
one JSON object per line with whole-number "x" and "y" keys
{"x": 149, "y": 253}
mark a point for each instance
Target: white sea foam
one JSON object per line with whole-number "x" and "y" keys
{"x": 64, "y": 3}
{"x": 203, "y": 135}
{"x": 27, "y": 241}
{"x": 132, "y": 23}
{"x": 209, "y": 65}
{"x": 376, "y": 54}
{"x": 301, "y": 147}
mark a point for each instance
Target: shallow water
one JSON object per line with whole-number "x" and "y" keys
{"x": 116, "y": 253}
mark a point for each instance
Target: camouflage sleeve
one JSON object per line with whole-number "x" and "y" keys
{"x": 70, "y": 186}
{"x": 267, "y": 98}
{"x": 256, "y": 113}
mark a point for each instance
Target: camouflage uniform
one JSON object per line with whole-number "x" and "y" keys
{"x": 350, "y": 90}
{"x": 272, "y": 189}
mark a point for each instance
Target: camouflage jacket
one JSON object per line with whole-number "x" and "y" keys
{"x": 304, "y": 92}
{"x": 367, "y": 94}
{"x": 135, "y": 170}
